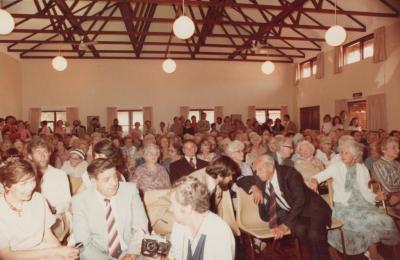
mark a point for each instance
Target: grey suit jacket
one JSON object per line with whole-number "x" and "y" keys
{"x": 89, "y": 221}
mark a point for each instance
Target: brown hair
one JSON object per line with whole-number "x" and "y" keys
{"x": 98, "y": 166}
{"x": 190, "y": 191}
{"x": 223, "y": 166}
{"x": 38, "y": 142}
{"x": 15, "y": 170}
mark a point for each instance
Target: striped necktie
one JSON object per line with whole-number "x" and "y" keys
{"x": 272, "y": 213}
{"x": 114, "y": 246}
{"x": 192, "y": 164}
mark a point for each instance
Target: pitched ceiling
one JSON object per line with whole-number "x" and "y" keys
{"x": 237, "y": 30}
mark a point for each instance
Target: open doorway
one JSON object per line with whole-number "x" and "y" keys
{"x": 358, "y": 109}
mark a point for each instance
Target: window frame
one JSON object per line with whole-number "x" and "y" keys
{"x": 267, "y": 112}
{"x": 362, "y": 42}
{"x": 130, "y": 112}
{"x": 313, "y": 62}
{"x": 201, "y": 110}
{"x": 54, "y": 116}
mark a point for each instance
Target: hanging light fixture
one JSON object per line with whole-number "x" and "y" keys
{"x": 268, "y": 66}
{"x": 59, "y": 63}
{"x": 336, "y": 34}
{"x": 7, "y": 22}
{"x": 183, "y": 26}
{"x": 169, "y": 65}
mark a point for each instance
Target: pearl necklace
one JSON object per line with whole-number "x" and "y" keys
{"x": 12, "y": 207}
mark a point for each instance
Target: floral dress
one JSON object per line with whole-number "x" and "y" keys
{"x": 363, "y": 223}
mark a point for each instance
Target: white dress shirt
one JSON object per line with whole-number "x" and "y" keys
{"x": 55, "y": 188}
{"x": 280, "y": 199}
{"x": 194, "y": 160}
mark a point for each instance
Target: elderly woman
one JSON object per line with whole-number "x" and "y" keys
{"x": 306, "y": 163}
{"x": 151, "y": 175}
{"x": 325, "y": 152}
{"x": 364, "y": 225}
{"x": 25, "y": 218}
{"x": 256, "y": 148}
{"x": 387, "y": 169}
{"x": 76, "y": 165}
{"x": 235, "y": 150}
{"x": 205, "y": 153}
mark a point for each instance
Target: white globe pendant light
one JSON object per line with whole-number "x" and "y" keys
{"x": 7, "y": 22}
{"x": 183, "y": 27}
{"x": 59, "y": 63}
{"x": 335, "y": 35}
{"x": 169, "y": 66}
{"x": 268, "y": 67}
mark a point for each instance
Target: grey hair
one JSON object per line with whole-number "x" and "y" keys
{"x": 234, "y": 146}
{"x": 265, "y": 159}
{"x": 304, "y": 143}
{"x": 151, "y": 148}
{"x": 356, "y": 149}
{"x": 344, "y": 139}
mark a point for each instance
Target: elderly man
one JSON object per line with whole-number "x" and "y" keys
{"x": 197, "y": 233}
{"x": 284, "y": 150}
{"x": 109, "y": 217}
{"x": 188, "y": 164}
{"x": 288, "y": 204}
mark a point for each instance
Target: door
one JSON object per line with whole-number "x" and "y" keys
{"x": 309, "y": 118}
{"x": 358, "y": 109}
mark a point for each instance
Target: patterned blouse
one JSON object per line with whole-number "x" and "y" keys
{"x": 388, "y": 174}
{"x": 151, "y": 180}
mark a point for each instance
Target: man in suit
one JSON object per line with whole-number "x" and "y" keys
{"x": 109, "y": 217}
{"x": 188, "y": 163}
{"x": 284, "y": 151}
{"x": 289, "y": 204}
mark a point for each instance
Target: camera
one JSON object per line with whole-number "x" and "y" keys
{"x": 153, "y": 245}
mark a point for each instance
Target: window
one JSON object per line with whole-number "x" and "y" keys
{"x": 358, "y": 50}
{"x": 53, "y": 116}
{"x": 197, "y": 112}
{"x": 261, "y": 114}
{"x": 308, "y": 68}
{"x": 128, "y": 118}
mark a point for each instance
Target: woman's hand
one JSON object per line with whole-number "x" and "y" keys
{"x": 257, "y": 194}
{"x": 382, "y": 195}
{"x": 314, "y": 185}
{"x": 66, "y": 252}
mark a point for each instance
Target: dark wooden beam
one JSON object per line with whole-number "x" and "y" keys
{"x": 152, "y": 58}
{"x": 127, "y": 15}
{"x": 196, "y": 21}
{"x": 75, "y": 24}
{"x": 264, "y": 29}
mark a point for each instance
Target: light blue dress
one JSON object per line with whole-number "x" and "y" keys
{"x": 363, "y": 223}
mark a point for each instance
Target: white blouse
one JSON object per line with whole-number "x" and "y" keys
{"x": 26, "y": 231}
{"x": 337, "y": 171}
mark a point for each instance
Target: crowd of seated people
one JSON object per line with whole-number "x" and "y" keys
{"x": 73, "y": 174}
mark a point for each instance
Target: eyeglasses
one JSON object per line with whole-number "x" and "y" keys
{"x": 288, "y": 146}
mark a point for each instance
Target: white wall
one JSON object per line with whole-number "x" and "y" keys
{"x": 10, "y": 86}
{"x": 365, "y": 76}
{"x": 93, "y": 85}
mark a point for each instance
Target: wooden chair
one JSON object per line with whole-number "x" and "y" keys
{"x": 335, "y": 223}
{"x": 251, "y": 225}
{"x": 223, "y": 201}
{"x": 74, "y": 184}
{"x": 157, "y": 204}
